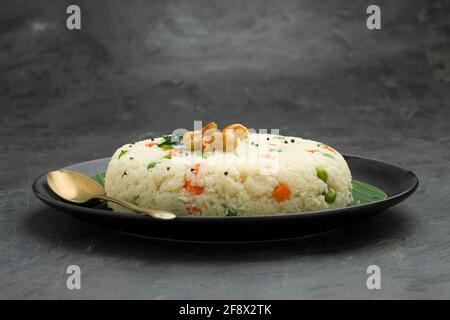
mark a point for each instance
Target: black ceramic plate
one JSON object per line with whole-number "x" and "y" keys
{"x": 398, "y": 184}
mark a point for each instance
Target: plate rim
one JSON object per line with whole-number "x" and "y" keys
{"x": 294, "y": 215}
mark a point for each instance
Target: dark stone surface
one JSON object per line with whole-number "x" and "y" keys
{"x": 141, "y": 68}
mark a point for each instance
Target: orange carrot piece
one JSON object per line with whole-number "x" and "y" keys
{"x": 196, "y": 168}
{"x": 193, "y": 189}
{"x": 193, "y": 210}
{"x": 150, "y": 145}
{"x": 281, "y": 192}
{"x": 312, "y": 151}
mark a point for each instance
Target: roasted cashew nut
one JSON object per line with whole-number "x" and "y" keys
{"x": 232, "y": 135}
{"x": 210, "y": 139}
{"x": 195, "y": 140}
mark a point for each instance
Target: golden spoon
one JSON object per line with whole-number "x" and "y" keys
{"x": 78, "y": 188}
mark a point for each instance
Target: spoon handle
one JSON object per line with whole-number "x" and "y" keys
{"x": 158, "y": 214}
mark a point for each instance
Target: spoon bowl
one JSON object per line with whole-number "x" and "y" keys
{"x": 75, "y": 187}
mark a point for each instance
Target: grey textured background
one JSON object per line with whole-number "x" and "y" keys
{"x": 138, "y": 68}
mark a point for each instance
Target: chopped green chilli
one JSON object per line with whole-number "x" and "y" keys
{"x": 122, "y": 153}
{"x": 328, "y": 155}
{"x": 152, "y": 164}
{"x": 230, "y": 212}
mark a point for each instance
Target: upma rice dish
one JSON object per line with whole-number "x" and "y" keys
{"x": 231, "y": 172}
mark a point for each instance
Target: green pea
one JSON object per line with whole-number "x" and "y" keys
{"x": 330, "y": 195}
{"x": 322, "y": 174}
